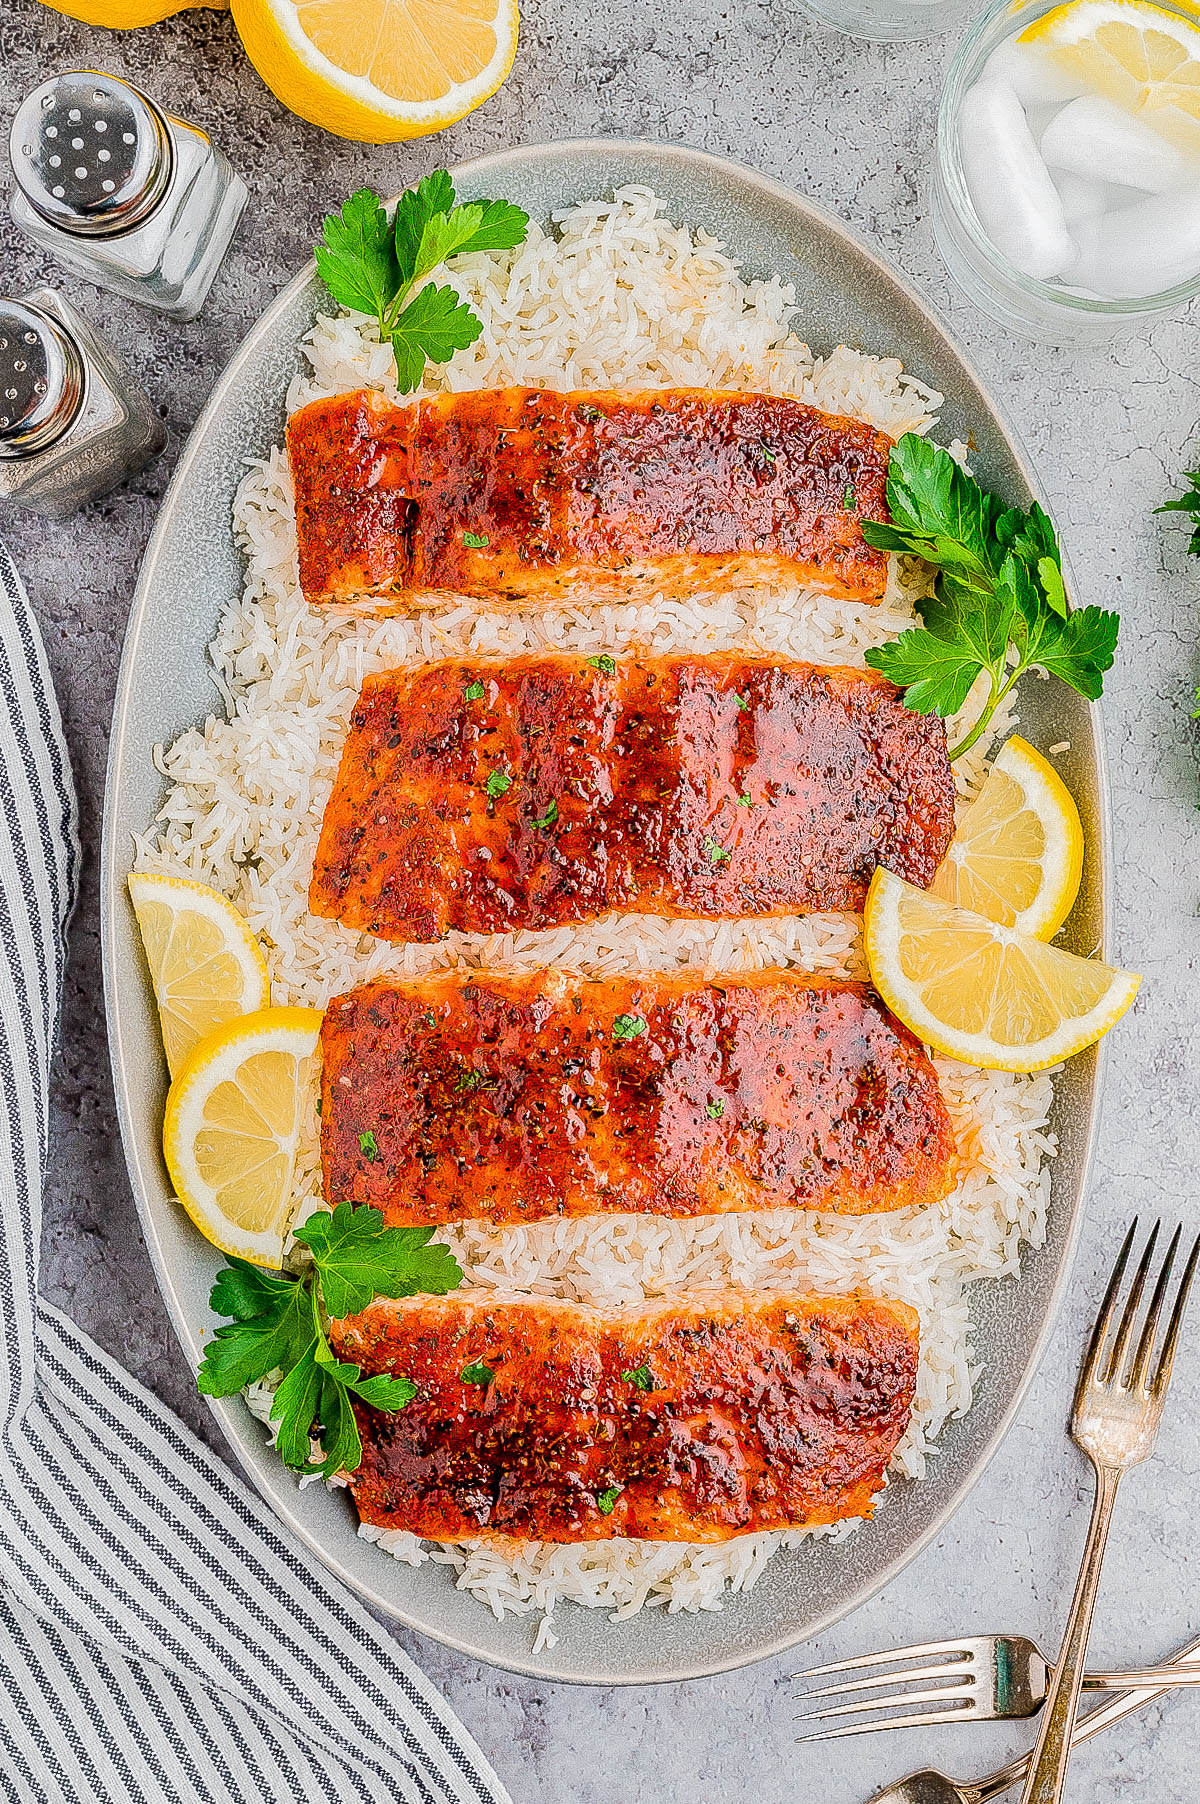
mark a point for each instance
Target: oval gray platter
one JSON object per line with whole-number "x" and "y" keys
{"x": 845, "y": 294}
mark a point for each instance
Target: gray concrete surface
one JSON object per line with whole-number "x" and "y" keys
{"x": 851, "y": 125}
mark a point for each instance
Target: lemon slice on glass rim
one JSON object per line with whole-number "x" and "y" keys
{"x": 982, "y": 992}
{"x": 234, "y": 1125}
{"x": 205, "y": 964}
{"x": 1018, "y": 856}
{"x": 1140, "y": 56}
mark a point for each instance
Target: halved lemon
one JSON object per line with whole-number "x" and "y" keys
{"x": 982, "y": 992}
{"x": 233, "y": 1122}
{"x": 1018, "y": 856}
{"x": 205, "y": 964}
{"x": 379, "y": 70}
{"x": 1140, "y": 56}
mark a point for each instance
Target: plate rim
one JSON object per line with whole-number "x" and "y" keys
{"x": 112, "y": 893}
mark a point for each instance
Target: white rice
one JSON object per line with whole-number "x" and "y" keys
{"x": 615, "y": 295}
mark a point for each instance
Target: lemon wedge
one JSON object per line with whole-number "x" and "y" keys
{"x": 378, "y": 70}
{"x": 205, "y": 964}
{"x": 128, "y": 15}
{"x": 979, "y": 991}
{"x": 1018, "y": 856}
{"x": 233, "y": 1124}
{"x": 1140, "y": 56}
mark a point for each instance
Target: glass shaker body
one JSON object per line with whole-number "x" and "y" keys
{"x": 134, "y": 199}
{"x": 71, "y": 424}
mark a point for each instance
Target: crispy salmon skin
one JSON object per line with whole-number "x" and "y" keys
{"x": 552, "y": 788}
{"x": 509, "y": 1096}
{"x": 523, "y": 495}
{"x": 692, "y": 1417}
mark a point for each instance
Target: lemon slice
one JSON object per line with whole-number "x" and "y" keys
{"x": 233, "y": 1123}
{"x": 1018, "y": 856}
{"x": 378, "y": 70}
{"x": 982, "y": 992}
{"x": 1140, "y": 56}
{"x": 205, "y": 964}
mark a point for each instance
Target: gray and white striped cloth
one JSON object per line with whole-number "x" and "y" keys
{"x": 162, "y": 1640}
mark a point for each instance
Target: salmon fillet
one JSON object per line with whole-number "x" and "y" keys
{"x": 521, "y": 494}
{"x": 509, "y": 1096}
{"x": 693, "y": 1417}
{"x": 551, "y": 789}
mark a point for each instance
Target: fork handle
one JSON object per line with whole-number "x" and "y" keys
{"x": 1052, "y": 1750}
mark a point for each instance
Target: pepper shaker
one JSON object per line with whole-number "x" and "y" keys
{"x": 71, "y": 425}
{"x": 129, "y": 196}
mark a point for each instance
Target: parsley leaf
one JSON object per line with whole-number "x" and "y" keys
{"x": 473, "y": 692}
{"x": 628, "y": 1027}
{"x": 640, "y": 1378}
{"x": 548, "y": 819}
{"x": 374, "y": 264}
{"x": 604, "y": 664}
{"x": 499, "y": 783}
{"x": 1187, "y": 503}
{"x": 717, "y": 853}
{"x": 743, "y": 704}
{"x": 1000, "y": 605}
{"x": 279, "y": 1325}
{"x": 477, "y": 1374}
{"x": 714, "y": 1110}
{"x": 606, "y": 1501}
{"x": 475, "y": 541}
{"x": 369, "y": 1145}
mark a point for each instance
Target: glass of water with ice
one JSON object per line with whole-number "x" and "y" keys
{"x": 1066, "y": 193}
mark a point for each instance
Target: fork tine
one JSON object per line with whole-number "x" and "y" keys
{"x": 1145, "y": 1346}
{"x": 1129, "y": 1313}
{"x": 1166, "y": 1358}
{"x": 1091, "y": 1358}
{"x": 888, "y": 1658}
{"x": 917, "y": 1721}
{"x": 959, "y": 1670}
{"x": 954, "y": 1692}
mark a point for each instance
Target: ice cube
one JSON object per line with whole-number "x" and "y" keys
{"x": 1033, "y": 77}
{"x": 1093, "y": 137}
{"x": 1082, "y": 199}
{"x": 1141, "y": 250}
{"x": 1010, "y": 185}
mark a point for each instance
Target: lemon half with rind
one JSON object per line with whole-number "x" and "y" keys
{"x": 1140, "y": 56}
{"x": 232, "y": 1129}
{"x": 379, "y": 70}
{"x": 979, "y": 991}
{"x": 1018, "y": 856}
{"x": 205, "y": 964}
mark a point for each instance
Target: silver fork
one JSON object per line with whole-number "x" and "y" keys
{"x": 1118, "y": 1407}
{"x": 985, "y": 1678}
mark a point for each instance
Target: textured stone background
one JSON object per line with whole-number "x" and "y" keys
{"x": 851, "y": 125}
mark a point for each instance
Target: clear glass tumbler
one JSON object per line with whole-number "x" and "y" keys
{"x": 890, "y": 21}
{"x": 1043, "y": 310}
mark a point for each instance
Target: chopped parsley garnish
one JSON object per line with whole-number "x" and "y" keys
{"x": 588, "y": 412}
{"x": 607, "y": 1499}
{"x": 639, "y": 1378}
{"x": 475, "y": 541}
{"x": 374, "y": 265}
{"x": 741, "y": 701}
{"x": 603, "y": 663}
{"x": 767, "y": 455}
{"x": 470, "y": 1080}
{"x": 473, "y": 692}
{"x": 849, "y": 500}
{"x": 999, "y": 606}
{"x": 429, "y": 1018}
{"x": 368, "y": 1144}
{"x": 278, "y": 1324}
{"x": 499, "y": 783}
{"x": 628, "y": 1027}
{"x": 714, "y": 1110}
{"x": 1187, "y": 503}
{"x": 477, "y": 1374}
{"x": 745, "y": 800}
{"x": 548, "y": 819}
{"x": 717, "y": 853}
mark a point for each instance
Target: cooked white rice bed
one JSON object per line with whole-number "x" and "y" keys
{"x": 618, "y": 296}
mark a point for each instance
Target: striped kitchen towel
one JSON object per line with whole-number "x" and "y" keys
{"x": 162, "y": 1639}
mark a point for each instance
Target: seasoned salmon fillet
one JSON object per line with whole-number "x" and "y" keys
{"x": 550, "y": 789}
{"x": 508, "y": 1096}
{"x": 523, "y": 495}
{"x": 693, "y": 1417}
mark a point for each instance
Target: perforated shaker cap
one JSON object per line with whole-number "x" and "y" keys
{"x": 91, "y": 154}
{"x": 42, "y": 380}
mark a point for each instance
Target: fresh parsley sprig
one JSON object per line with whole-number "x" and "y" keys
{"x": 279, "y": 1321}
{"x": 374, "y": 264}
{"x": 999, "y": 605}
{"x": 1187, "y": 503}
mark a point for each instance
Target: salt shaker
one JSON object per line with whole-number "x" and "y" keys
{"x": 127, "y": 195}
{"x": 71, "y": 426}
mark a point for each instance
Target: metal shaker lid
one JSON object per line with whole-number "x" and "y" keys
{"x": 42, "y": 380}
{"x": 91, "y": 153}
